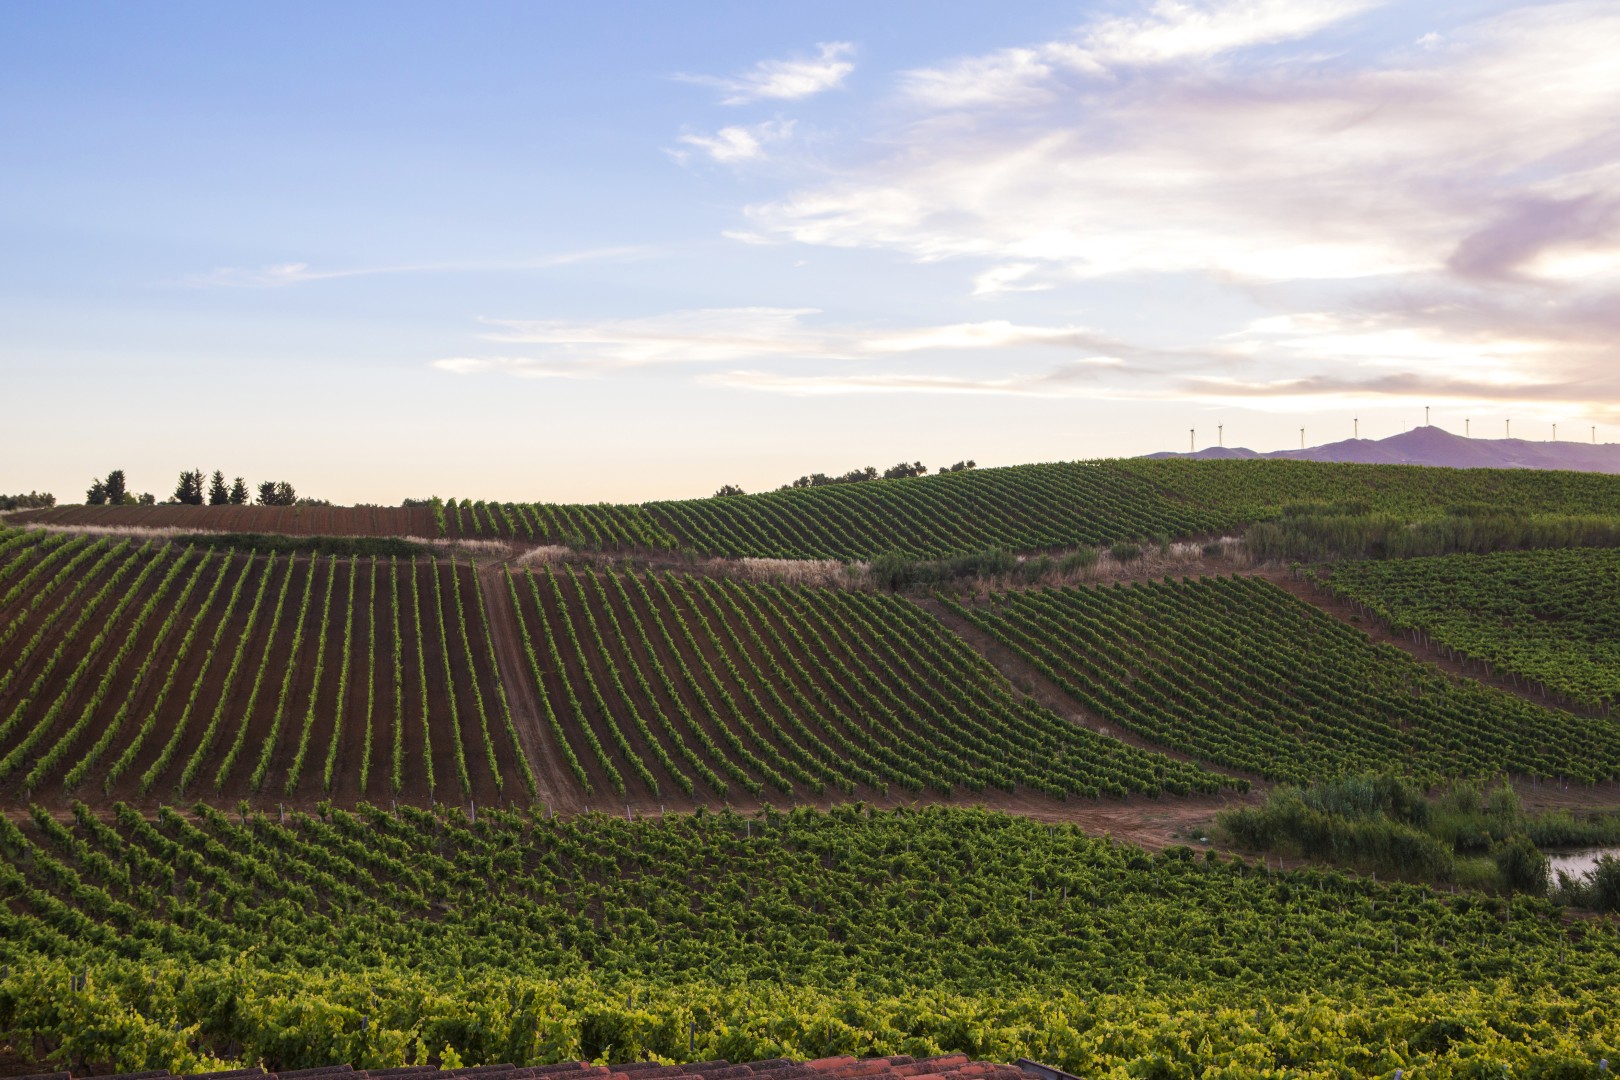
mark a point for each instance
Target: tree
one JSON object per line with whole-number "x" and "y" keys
{"x": 960, "y": 466}
{"x": 109, "y": 491}
{"x": 218, "y": 493}
{"x": 189, "y": 489}
{"x": 729, "y": 489}
{"x": 147, "y": 499}
{"x": 904, "y": 470}
{"x": 239, "y": 493}
{"x": 34, "y": 500}
{"x": 273, "y": 493}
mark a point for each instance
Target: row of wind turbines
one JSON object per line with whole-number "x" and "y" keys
{"x": 1355, "y": 429}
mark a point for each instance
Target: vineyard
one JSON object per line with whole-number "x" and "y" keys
{"x": 352, "y": 731}
{"x": 1551, "y": 618}
{"x": 1017, "y": 508}
{"x": 1035, "y": 507}
{"x": 141, "y": 670}
{"x": 162, "y": 670}
{"x": 665, "y": 683}
{"x": 1236, "y": 672}
{"x": 175, "y": 939}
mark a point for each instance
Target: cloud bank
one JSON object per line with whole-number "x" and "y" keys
{"x": 1452, "y": 202}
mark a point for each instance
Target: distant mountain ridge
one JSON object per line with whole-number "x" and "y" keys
{"x": 1434, "y": 446}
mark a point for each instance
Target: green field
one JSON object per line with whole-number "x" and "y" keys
{"x": 1551, "y": 617}
{"x": 518, "y": 938}
{"x": 1237, "y": 672}
{"x": 1040, "y": 507}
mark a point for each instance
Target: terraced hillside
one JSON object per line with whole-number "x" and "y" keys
{"x": 144, "y": 668}
{"x": 1551, "y": 618}
{"x": 1018, "y": 508}
{"x": 375, "y": 938}
{"x": 1235, "y": 671}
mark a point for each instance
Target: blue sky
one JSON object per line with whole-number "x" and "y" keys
{"x": 628, "y": 251}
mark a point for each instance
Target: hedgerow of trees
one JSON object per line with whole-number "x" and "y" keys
{"x": 34, "y": 500}
{"x": 901, "y": 471}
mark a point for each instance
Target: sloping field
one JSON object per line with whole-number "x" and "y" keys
{"x": 1241, "y": 492}
{"x": 151, "y": 670}
{"x": 368, "y": 936}
{"x": 668, "y": 683}
{"x": 1034, "y": 507}
{"x": 1018, "y": 508}
{"x": 290, "y": 520}
{"x": 1550, "y": 617}
{"x": 1235, "y": 671}
{"x": 145, "y": 668}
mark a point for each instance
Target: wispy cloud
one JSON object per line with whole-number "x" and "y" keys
{"x": 1012, "y": 277}
{"x": 737, "y": 143}
{"x": 278, "y": 275}
{"x": 1073, "y": 379}
{"x": 1170, "y": 32}
{"x": 783, "y": 80}
{"x": 732, "y": 335}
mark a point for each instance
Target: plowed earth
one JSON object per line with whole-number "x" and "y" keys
{"x": 289, "y": 520}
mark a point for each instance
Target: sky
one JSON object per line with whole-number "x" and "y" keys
{"x": 627, "y": 251}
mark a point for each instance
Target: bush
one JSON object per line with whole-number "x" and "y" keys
{"x": 1605, "y": 884}
{"x": 1125, "y": 553}
{"x": 341, "y": 546}
{"x": 1523, "y": 868}
{"x": 1079, "y": 559}
{"x": 1034, "y": 568}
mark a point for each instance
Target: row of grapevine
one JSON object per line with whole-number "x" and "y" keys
{"x": 1549, "y": 618}
{"x": 1034, "y": 507}
{"x": 89, "y": 662}
{"x": 155, "y": 668}
{"x": 1237, "y": 672}
{"x": 796, "y": 690}
{"x": 361, "y": 934}
{"x": 602, "y": 526}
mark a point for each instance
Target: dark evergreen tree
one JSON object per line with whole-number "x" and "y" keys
{"x": 218, "y": 493}
{"x": 273, "y": 493}
{"x": 239, "y": 492}
{"x": 109, "y": 491}
{"x": 189, "y": 490}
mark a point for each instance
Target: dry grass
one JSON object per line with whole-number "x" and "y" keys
{"x": 820, "y": 572}
{"x": 1224, "y": 556}
{"x": 137, "y": 532}
{"x": 549, "y": 553}
{"x": 485, "y": 549}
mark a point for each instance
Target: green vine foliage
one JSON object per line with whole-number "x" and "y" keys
{"x": 376, "y": 938}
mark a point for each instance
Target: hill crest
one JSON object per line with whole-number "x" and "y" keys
{"x": 1434, "y": 446}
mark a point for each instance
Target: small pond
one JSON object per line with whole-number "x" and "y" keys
{"x": 1577, "y": 864}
